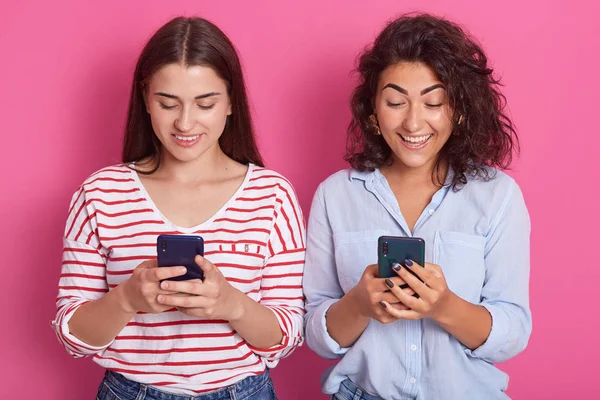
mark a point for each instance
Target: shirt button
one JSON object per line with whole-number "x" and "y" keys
{"x": 413, "y": 347}
{"x": 431, "y": 211}
{"x": 412, "y": 380}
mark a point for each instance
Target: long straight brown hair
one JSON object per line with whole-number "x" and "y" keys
{"x": 192, "y": 42}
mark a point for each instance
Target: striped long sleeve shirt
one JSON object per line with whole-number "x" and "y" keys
{"x": 257, "y": 240}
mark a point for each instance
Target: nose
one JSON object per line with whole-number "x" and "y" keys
{"x": 184, "y": 122}
{"x": 413, "y": 121}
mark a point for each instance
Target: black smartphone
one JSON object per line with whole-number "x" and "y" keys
{"x": 397, "y": 249}
{"x": 180, "y": 250}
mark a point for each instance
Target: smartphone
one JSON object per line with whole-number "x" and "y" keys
{"x": 180, "y": 250}
{"x": 396, "y": 249}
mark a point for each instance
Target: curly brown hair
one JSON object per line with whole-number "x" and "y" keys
{"x": 485, "y": 138}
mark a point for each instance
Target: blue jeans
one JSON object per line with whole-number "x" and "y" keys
{"x": 349, "y": 391}
{"x": 115, "y": 386}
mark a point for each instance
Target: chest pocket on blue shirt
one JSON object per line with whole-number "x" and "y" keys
{"x": 354, "y": 251}
{"x": 461, "y": 257}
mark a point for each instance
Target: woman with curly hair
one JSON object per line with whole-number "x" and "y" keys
{"x": 428, "y": 133}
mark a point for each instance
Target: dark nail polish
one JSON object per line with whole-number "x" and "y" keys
{"x": 389, "y": 283}
{"x": 408, "y": 263}
{"x": 396, "y": 267}
{"x": 382, "y": 304}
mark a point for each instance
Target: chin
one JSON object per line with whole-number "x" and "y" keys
{"x": 188, "y": 154}
{"x": 413, "y": 160}
{"x": 183, "y": 156}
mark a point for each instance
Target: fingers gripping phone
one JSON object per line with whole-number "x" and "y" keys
{"x": 180, "y": 250}
{"x": 397, "y": 249}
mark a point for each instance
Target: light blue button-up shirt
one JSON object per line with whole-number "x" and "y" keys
{"x": 480, "y": 238}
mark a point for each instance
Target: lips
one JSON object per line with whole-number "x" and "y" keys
{"x": 185, "y": 140}
{"x": 416, "y": 139}
{"x": 416, "y": 142}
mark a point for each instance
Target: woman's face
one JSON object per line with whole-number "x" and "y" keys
{"x": 411, "y": 106}
{"x": 188, "y": 107}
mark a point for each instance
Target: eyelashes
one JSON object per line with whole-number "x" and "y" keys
{"x": 396, "y": 105}
{"x": 166, "y": 107}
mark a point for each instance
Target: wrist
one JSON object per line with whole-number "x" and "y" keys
{"x": 352, "y": 302}
{"x": 122, "y": 299}
{"x": 444, "y": 314}
{"x": 240, "y": 301}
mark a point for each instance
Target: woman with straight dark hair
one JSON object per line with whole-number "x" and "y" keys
{"x": 428, "y": 132}
{"x": 190, "y": 167}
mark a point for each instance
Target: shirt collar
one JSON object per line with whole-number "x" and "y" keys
{"x": 369, "y": 176}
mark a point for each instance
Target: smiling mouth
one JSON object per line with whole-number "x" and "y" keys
{"x": 186, "y": 141}
{"x": 186, "y": 138}
{"x": 416, "y": 142}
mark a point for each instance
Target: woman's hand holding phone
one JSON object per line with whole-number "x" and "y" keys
{"x": 211, "y": 298}
{"x": 371, "y": 293}
{"x": 432, "y": 289}
{"x": 140, "y": 292}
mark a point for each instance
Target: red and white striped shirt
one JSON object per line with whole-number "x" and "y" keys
{"x": 257, "y": 240}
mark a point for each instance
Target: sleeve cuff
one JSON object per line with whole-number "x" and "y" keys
{"x": 75, "y": 346}
{"x": 497, "y": 337}
{"x": 288, "y": 341}
{"x": 317, "y": 336}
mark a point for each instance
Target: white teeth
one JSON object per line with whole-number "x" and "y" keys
{"x": 417, "y": 140}
{"x": 187, "y": 138}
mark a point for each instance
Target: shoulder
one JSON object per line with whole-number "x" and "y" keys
{"x": 116, "y": 178}
{"x": 497, "y": 183}
{"x": 118, "y": 173}
{"x": 345, "y": 183}
{"x": 339, "y": 180}
{"x": 266, "y": 176}
{"x": 495, "y": 193}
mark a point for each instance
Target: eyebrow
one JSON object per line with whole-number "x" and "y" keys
{"x": 202, "y": 96}
{"x": 404, "y": 91}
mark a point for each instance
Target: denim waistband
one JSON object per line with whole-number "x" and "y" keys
{"x": 349, "y": 390}
{"x": 134, "y": 390}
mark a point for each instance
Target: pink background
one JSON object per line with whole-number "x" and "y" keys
{"x": 65, "y": 78}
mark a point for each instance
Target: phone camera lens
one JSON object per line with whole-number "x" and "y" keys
{"x": 163, "y": 245}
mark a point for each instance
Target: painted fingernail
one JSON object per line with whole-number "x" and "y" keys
{"x": 382, "y": 304}
{"x": 396, "y": 267}
{"x": 389, "y": 283}
{"x": 408, "y": 263}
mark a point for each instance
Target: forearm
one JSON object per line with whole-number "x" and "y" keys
{"x": 98, "y": 322}
{"x": 344, "y": 325}
{"x": 257, "y": 324}
{"x": 469, "y": 323}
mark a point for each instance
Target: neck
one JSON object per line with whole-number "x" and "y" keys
{"x": 426, "y": 175}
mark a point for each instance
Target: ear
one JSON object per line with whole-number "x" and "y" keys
{"x": 229, "y": 112}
